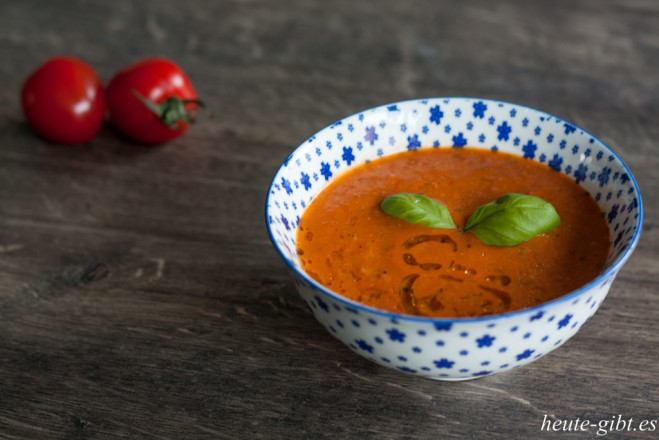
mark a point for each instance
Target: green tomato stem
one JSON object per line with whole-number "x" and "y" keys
{"x": 172, "y": 111}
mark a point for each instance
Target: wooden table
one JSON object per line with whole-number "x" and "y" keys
{"x": 140, "y": 296}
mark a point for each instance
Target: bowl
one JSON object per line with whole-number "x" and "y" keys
{"x": 454, "y": 348}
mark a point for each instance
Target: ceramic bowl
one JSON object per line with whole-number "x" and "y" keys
{"x": 455, "y": 348}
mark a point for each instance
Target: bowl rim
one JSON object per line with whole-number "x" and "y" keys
{"x": 606, "y": 274}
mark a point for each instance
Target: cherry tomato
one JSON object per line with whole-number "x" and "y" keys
{"x": 63, "y": 101}
{"x": 152, "y": 101}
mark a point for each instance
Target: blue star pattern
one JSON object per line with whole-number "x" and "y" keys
{"x": 525, "y": 354}
{"x": 304, "y": 180}
{"x": 459, "y": 140}
{"x": 504, "y": 131}
{"x": 485, "y": 341}
{"x": 395, "y": 335}
{"x": 447, "y": 348}
{"x": 603, "y": 177}
{"x": 321, "y": 304}
{"x": 479, "y": 109}
{"x": 286, "y": 185}
{"x": 371, "y": 135}
{"x": 444, "y": 363}
{"x": 556, "y": 162}
{"x": 347, "y": 156}
{"x": 364, "y": 346}
{"x": 529, "y": 150}
{"x": 565, "y": 321}
{"x": 325, "y": 170}
{"x": 413, "y": 142}
{"x": 580, "y": 173}
{"x": 436, "y": 114}
{"x": 443, "y": 326}
{"x": 538, "y": 315}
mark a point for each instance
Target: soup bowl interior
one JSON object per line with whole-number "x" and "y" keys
{"x": 454, "y": 348}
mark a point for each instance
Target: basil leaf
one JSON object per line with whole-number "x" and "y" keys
{"x": 417, "y": 208}
{"x": 512, "y": 219}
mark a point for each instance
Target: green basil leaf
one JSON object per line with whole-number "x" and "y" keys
{"x": 512, "y": 219}
{"x": 418, "y": 209}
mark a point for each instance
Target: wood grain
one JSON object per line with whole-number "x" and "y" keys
{"x": 140, "y": 296}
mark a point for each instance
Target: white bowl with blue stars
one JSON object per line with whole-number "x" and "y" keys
{"x": 454, "y": 348}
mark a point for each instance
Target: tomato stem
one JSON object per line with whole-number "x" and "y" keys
{"x": 173, "y": 110}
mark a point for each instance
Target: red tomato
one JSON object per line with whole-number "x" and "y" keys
{"x": 152, "y": 101}
{"x": 63, "y": 101}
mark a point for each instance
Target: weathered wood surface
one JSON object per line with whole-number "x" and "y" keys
{"x": 140, "y": 296}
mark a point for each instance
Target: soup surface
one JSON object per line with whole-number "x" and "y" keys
{"x": 347, "y": 243}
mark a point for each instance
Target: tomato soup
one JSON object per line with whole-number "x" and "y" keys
{"x": 348, "y": 244}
